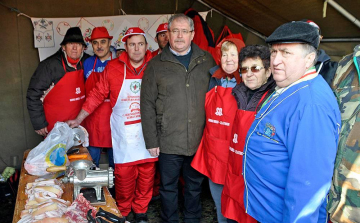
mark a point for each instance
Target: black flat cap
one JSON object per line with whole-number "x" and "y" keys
{"x": 295, "y": 32}
{"x": 73, "y": 35}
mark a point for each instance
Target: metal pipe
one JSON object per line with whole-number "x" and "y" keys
{"x": 344, "y": 12}
{"x": 330, "y": 40}
{"x": 234, "y": 21}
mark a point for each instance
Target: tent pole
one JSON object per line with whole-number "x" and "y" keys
{"x": 344, "y": 12}
{"x": 234, "y": 21}
{"x": 331, "y": 40}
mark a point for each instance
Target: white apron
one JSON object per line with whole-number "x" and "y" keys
{"x": 125, "y": 122}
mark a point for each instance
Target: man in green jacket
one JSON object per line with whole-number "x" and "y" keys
{"x": 173, "y": 115}
{"x": 344, "y": 196}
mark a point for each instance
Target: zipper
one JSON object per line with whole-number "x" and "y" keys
{"x": 134, "y": 71}
{"x": 187, "y": 82}
{"x": 262, "y": 116}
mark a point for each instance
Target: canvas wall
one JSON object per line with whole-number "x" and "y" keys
{"x": 19, "y": 57}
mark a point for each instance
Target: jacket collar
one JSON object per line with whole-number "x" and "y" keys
{"x": 270, "y": 83}
{"x": 64, "y": 57}
{"x": 322, "y": 56}
{"x": 166, "y": 54}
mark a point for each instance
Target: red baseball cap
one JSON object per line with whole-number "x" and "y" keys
{"x": 100, "y": 33}
{"x": 132, "y": 31}
{"x": 163, "y": 27}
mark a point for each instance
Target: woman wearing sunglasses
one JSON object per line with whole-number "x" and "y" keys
{"x": 220, "y": 106}
{"x": 256, "y": 88}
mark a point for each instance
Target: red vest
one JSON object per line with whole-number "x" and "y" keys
{"x": 212, "y": 155}
{"x": 232, "y": 198}
{"x": 98, "y": 122}
{"x": 64, "y": 101}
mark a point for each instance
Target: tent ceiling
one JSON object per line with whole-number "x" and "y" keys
{"x": 265, "y": 16}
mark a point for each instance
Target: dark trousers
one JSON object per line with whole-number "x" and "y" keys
{"x": 170, "y": 167}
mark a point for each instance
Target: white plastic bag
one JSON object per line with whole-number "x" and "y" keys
{"x": 51, "y": 151}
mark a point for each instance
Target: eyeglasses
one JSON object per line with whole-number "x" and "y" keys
{"x": 254, "y": 69}
{"x": 184, "y": 31}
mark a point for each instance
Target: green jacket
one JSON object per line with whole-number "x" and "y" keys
{"x": 344, "y": 202}
{"x": 173, "y": 101}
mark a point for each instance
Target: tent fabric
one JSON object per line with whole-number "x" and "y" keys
{"x": 266, "y": 16}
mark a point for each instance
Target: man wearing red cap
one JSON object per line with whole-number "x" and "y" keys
{"x": 98, "y": 123}
{"x": 161, "y": 38}
{"x": 61, "y": 78}
{"x": 134, "y": 166}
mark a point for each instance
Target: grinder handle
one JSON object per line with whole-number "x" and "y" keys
{"x": 56, "y": 168}
{"x": 110, "y": 216}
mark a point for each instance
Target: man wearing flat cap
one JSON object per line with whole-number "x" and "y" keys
{"x": 291, "y": 146}
{"x": 121, "y": 82}
{"x": 56, "y": 90}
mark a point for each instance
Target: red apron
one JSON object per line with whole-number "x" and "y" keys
{"x": 232, "y": 197}
{"x": 64, "y": 101}
{"x": 98, "y": 122}
{"x": 212, "y": 155}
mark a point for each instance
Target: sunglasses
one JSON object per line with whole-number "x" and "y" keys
{"x": 254, "y": 69}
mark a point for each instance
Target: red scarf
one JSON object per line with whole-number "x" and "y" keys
{"x": 72, "y": 61}
{"x": 220, "y": 73}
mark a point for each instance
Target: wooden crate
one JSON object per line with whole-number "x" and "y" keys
{"x": 68, "y": 188}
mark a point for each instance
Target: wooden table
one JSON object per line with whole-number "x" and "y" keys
{"x": 25, "y": 178}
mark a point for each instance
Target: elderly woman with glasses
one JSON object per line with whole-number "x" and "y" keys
{"x": 220, "y": 107}
{"x": 250, "y": 95}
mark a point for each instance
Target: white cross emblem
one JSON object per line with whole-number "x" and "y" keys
{"x": 235, "y": 138}
{"x": 218, "y": 112}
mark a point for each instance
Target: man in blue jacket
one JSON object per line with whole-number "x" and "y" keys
{"x": 291, "y": 146}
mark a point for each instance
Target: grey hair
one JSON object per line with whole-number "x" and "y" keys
{"x": 181, "y": 17}
{"x": 307, "y": 49}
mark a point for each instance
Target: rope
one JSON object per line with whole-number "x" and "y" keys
{"x": 15, "y": 10}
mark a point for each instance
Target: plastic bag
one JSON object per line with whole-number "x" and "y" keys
{"x": 51, "y": 151}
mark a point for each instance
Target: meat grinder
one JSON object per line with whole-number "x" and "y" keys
{"x": 80, "y": 174}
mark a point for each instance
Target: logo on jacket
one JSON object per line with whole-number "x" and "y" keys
{"x": 235, "y": 139}
{"x": 135, "y": 87}
{"x": 77, "y": 90}
{"x": 269, "y": 130}
{"x": 219, "y": 112}
{"x": 134, "y": 107}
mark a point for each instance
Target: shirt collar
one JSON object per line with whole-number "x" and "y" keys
{"x": 177, "y": 54}
{"x": 109, "y": 58}
{"x": 309, "y": 74}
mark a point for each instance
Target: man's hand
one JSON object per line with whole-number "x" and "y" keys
{"x": 154, "y": 151}
{"x": 76, "y": 122}
{"x": 42, "y": 132}
{"x": 72, "y": 123}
